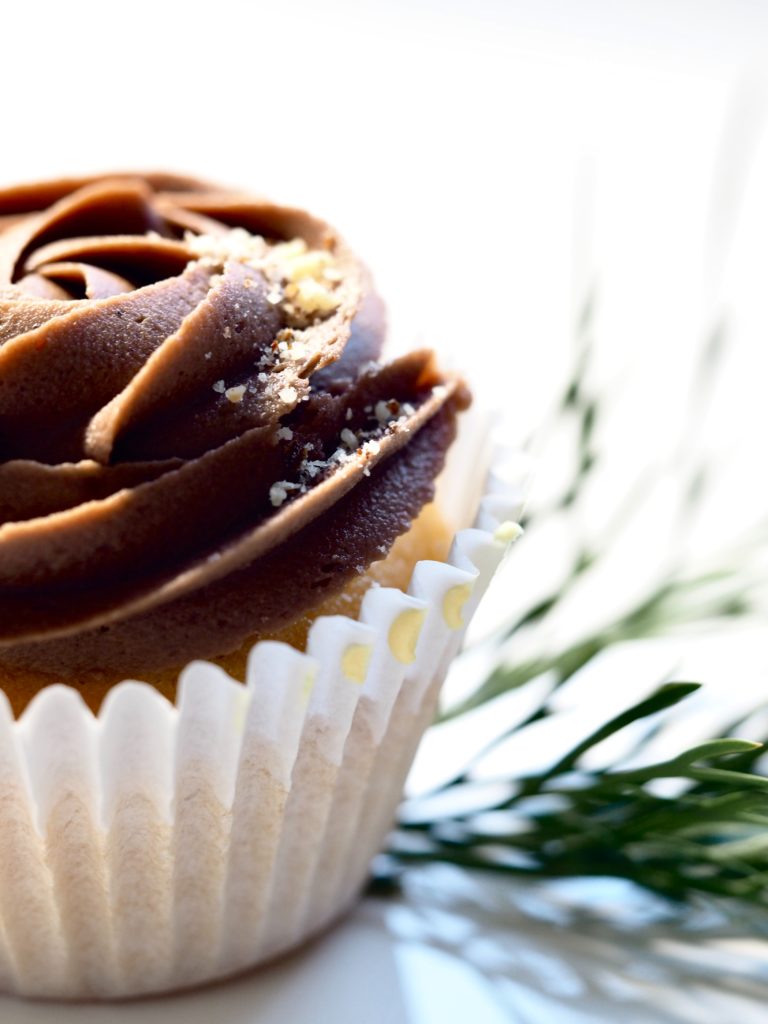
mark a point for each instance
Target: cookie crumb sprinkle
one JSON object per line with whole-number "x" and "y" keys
{"x": 235, "y": 394}
{"x": 302, "y": 281}
{"x": 278, "y": 492}
{"x": 386, "y": 411}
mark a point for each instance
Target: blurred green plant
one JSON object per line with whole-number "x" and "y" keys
{"x": 709, "y": 834}
{"x": 711, "y": 838}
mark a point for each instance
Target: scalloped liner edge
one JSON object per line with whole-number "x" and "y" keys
{"x": 155, "y": 847}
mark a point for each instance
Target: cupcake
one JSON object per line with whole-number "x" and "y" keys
{"x": 211, "y": 481}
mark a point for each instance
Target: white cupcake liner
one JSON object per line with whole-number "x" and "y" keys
{"x": 156, "y": 847}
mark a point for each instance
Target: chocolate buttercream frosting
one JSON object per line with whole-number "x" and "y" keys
{"x": 198, "y": 442}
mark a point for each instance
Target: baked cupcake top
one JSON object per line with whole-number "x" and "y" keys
{"x": 188, "y": 383}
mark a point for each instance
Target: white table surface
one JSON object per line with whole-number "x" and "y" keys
{"x": 472, "y": 949}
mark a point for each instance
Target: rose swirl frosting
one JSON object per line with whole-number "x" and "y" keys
{"x": 196, "y": 440}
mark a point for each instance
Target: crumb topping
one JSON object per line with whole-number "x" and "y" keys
{"x": 235, "y": 394}
{"x": 279, "y": 492}
{"x": 363, "y": 444}
{"x": 302, "y": 281}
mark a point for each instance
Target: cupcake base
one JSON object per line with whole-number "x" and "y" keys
{"x": 160, "y": 846}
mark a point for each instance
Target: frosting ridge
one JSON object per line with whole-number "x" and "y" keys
{"x": 189, "y": 389}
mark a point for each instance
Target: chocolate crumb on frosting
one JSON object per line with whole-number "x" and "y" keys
{"x": 197, "y": 440}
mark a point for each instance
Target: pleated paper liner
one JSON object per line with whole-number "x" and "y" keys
{"x": 157, "y": 847}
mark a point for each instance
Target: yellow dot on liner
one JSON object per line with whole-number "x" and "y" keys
{"x": 354, "y": 662}
{"x": 240, "y": 710}
{"x": 508, "y": 532}
{"x": 308, "y": 685}
{"x": 404, "y": 634}
{"x": 453, "y": 605}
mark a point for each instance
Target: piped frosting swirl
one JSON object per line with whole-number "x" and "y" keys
{"x": 189, "y": 395}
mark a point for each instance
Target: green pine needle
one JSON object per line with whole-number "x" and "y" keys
{"x": 709, "y": 835}
{"x": 712, "y": 838}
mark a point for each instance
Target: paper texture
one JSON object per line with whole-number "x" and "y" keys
{"x": 156, "y": 847}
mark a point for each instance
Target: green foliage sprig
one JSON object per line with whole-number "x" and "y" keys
{"x": 709, "y": 833}
{"x": 712, "y": 837}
